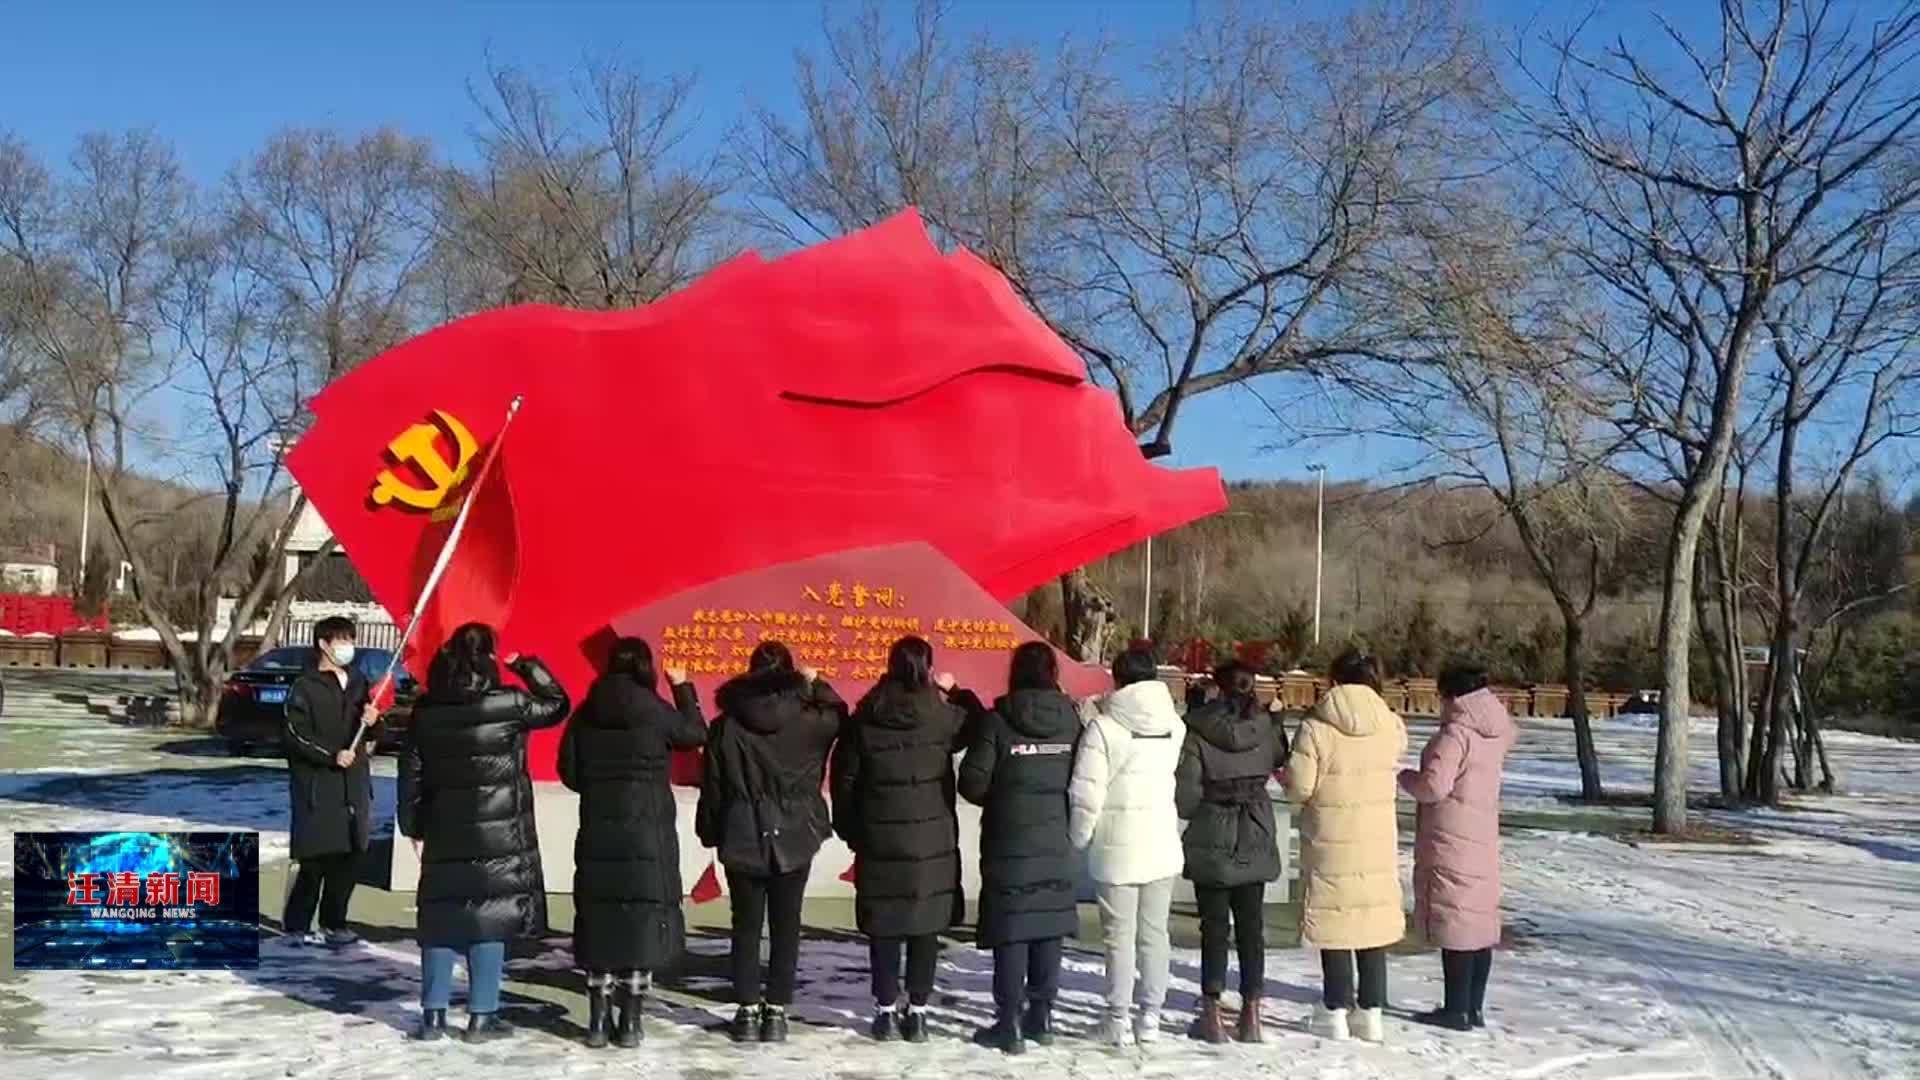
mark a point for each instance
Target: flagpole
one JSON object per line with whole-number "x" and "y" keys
{"x": 439, "y": 566}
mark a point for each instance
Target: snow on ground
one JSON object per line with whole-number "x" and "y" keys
{"x": 1799, "y": 958}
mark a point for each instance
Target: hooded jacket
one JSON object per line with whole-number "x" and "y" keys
{"x": 760, "y": 802}
{"x": 1456, "y": 853}
{"x": 1017, "y": 772}
{"x": 1122, "y": 801}
{"x": 1343, "y": 772}
{"x": 616, "y": 753}
{"x": 1221, "y": 791}
{"x": 893, "y": 804}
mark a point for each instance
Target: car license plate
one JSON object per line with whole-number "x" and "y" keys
{"x": 273, "y": 695}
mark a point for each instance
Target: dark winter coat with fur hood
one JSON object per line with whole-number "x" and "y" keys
{"x": 761, "y": 805}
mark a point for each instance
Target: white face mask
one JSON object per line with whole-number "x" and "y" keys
{"x": 341, "y": 653}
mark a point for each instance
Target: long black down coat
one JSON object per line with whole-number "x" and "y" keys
{"x": 331, "y": 805}
{"x": 893, "y": 804}
{"x": 465, "y": 792}
{"x": 1017, "y": 772}
{"x": 626, "y": 854}
{"x": 1220, "y": 788}
{"x": 760, "y": 801}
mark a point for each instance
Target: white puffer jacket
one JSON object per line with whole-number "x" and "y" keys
{"x": 1122, "y": 792}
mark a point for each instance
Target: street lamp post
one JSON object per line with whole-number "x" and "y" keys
{"x": 86, "y": 522}
{"x": 1146, "y": 600}
{"x": 1319, "y": 542}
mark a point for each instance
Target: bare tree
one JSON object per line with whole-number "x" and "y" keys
{"x": 239, "y": 307}
{"x": 1842, "y": 345}
{"x": 1700, "y": 179}
{"x": 1719, "y": 596}
{"x": 597, "y": 202}
{"x": 1502, "y": 410}
{"x": 1863, "y": 567}
{"x": 25, "y": 187}
{"x": 1229, "y": 217}
{"x": 342, "y": 226}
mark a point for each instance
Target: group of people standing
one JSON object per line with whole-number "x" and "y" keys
{"x": 1121, "y": 784}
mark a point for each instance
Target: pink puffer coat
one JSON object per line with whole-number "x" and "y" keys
{"x": 1456, "y": 854}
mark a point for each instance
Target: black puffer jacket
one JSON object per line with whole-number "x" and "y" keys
{"x": 331, "y": 805}
{"x": 760, "y": 800}
{"x": 1017, "y": 771}
{"x": 626, "y": 854}
{"x": 893, "y": 803}
{"x": 465, "y": 792}
{"x": 1220, "y": 788}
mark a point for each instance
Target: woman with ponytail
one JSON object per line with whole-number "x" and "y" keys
{"x": 617, "y": 753}
{"x": 1231, "y": 842}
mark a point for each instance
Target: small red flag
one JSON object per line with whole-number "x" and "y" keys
{"x": 851, "y": 875}
{"x": 708, "y": 887}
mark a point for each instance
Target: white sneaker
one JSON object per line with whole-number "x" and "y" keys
{"x": 1146, "y": 1027}
{"x": 1115, "y": 1031}
{"x": 1370, "y": 1025}
{"x": 1329, "y": 1023}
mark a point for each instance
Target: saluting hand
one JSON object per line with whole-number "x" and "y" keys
{"x": 677, "y": 675}
{"x": 808, "y": 673}
{"x": 944, "y": 681}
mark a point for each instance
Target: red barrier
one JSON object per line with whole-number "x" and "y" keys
{"x": 21, "y": 614}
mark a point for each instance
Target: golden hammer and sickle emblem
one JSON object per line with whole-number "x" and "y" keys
{"x": 419, "y": 444}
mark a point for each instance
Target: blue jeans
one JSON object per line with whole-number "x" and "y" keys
{"x": 486, "y": 964}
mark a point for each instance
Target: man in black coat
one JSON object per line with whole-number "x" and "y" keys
{"x": 1017, "y": 771}
{"x": 761, "y": 809}
{"x": 332, "y": 794}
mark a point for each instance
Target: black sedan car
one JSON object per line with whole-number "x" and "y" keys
{"x": 254, "y": 707}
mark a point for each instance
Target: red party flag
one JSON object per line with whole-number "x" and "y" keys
{"x": 852, "y": 873}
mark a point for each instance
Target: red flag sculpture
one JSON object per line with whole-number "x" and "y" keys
{"x": 866, "y": 391}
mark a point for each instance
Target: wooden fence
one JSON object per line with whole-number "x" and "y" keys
{"x": 98, "y": 652}
{"x": 1418, "y": 697}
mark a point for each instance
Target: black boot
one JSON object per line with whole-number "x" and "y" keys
{"x": 1456, "y": 968}
{"x": 627, "y": 1031}
{"x": 1441, "y": 1018}
{"x": 1004, "y": 1036}
{"x": 745, "y": 1025}
{"x": 886, "y": 1024}
{"x": 433, "y": 1025}
{"x": 1477, "y": 988}
{"x": 1038, "y": 1025}
{"x": 773, "y": 1023}
{"x": 597, "y": 1007}
{"x": 487, "y": 1027}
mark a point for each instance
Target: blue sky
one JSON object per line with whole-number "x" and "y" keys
{"x": 216, "y": 79}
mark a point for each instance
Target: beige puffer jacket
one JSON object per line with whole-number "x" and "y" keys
{"x": 1344, "y": 771}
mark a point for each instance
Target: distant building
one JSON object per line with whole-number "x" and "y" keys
{"x": 32, "y": 572}
{"x": 335, "y": 581}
